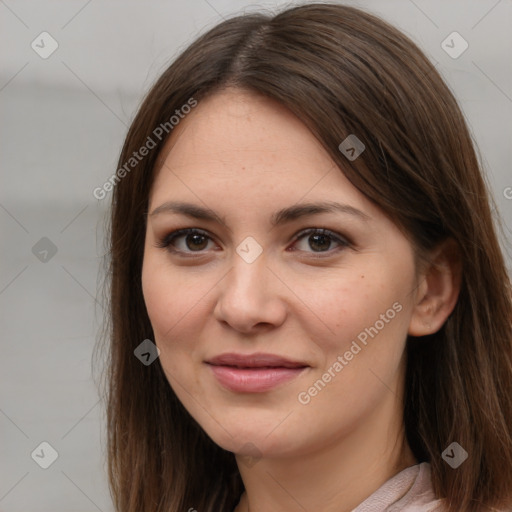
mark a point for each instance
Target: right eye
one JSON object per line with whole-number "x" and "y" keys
{"x": 185, "y": 241}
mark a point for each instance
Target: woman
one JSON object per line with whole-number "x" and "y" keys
{"x": 301, "y": 227}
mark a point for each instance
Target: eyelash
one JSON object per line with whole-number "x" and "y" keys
{"x": 166, "y": 242}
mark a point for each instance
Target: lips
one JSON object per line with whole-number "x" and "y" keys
{"x": 254, "y": 373}
{"x": 255, "y": 361}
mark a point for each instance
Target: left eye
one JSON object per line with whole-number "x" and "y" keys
{"x": 320, "y": 240}
{"x": 194, "y": 240}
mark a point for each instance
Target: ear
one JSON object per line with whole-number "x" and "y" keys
{"x": 438, "y": 290}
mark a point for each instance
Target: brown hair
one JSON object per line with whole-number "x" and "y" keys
{"x": 341, "y": 71}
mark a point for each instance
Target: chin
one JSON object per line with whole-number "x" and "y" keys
{"x": 246, "y": 435}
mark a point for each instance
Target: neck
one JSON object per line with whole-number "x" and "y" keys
{"x": 335, "y": 475}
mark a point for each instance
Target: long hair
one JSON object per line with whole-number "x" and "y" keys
{"x": 341, "y": 71}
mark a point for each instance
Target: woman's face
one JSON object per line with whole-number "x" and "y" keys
{"x": 304, "y": 310}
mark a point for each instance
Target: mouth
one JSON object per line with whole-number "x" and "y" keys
{"x": 255, "y": 373}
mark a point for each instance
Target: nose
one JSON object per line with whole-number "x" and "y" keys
{"x": 251, "y": 297}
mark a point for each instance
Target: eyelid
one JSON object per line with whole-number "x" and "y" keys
{"x": 165, "y": 242}
{"x": 342, "y": 240}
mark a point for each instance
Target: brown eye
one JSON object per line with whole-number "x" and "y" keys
{"x": 320, "y": 241}
{"x": 185, "y": 241}
{"x": 196, "y": 242}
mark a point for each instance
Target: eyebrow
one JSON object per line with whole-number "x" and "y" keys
{"x": 282, "y": 216}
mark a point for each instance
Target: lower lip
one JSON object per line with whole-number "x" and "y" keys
{"x": 253, "y": 380}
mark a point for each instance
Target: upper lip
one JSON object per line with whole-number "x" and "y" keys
{"x": 258, "y": 360}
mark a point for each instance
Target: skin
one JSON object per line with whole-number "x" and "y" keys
{"x": 245, "y": 157}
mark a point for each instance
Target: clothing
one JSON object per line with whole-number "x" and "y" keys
{"x": 408, "y": 491}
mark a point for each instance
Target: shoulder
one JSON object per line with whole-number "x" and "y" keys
{"x": 420, "y": 497}
{"x": 408, "y": 491}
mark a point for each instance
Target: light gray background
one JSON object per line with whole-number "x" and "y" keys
{"x": 63, "y": 120}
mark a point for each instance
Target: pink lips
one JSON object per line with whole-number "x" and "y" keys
{"x": 255, "y": 373}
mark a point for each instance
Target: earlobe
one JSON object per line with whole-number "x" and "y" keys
{"x": 438, "y": 292}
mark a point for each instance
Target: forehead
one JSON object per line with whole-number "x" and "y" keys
{"x": 238, "y": 124}
{"x": 237, "y": 144}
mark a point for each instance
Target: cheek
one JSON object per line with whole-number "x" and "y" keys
{"x": 171, "y": 298}
{"x": 345, "y": 305}
{"x": 362, "y": 350}
{"x": 172, "y": 306}
{"x": 363, "y": 315}
{"x": 158, "y": 295}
